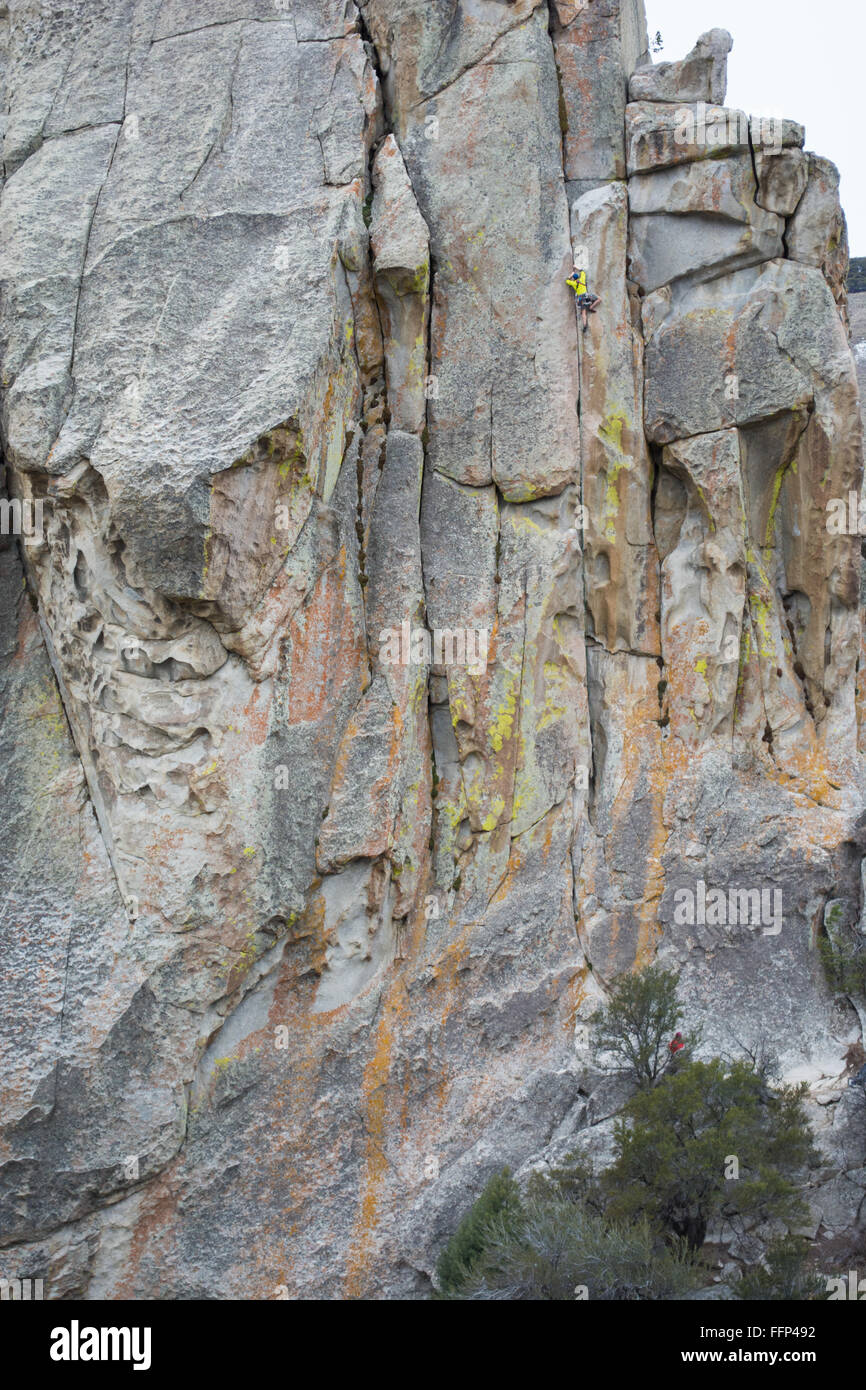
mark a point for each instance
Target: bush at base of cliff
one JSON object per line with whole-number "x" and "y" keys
{"x": 711, "y": 1142}
{"x": 785, "y": 1277}
{"x": 559, "y": 1251}
{"x": 573, "y": 1181}
{"x": 555, "y": 1244}
{"x": 498, "y": 1204}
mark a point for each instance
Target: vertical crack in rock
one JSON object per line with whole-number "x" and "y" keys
{"x": 619, "y": 557}
{"x": 377, "y": 781}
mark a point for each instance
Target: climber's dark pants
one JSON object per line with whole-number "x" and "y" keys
{"x": 587, "y": 304}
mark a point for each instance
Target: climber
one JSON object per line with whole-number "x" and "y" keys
{"x": 676, "y": 1044}
{"x": 587, "y": 302}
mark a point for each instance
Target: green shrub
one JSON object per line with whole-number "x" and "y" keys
{"x": 674, "y": 1145}
{"x": 559, "y": 1251}
{"x": 785, "y": 1278}
{"x": 500, "y": 1203}
{"x": 572, "y": 1182}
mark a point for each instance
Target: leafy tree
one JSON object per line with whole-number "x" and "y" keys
{"x": 641, "y": 1016}
{"x": 785, "y": 1277}
{"x": 500, "y": 1203}
{"x": 559, "y": 1251}
{"x": 675, "y": 1143}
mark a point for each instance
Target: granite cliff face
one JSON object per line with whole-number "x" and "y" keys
{"x": 304, "y": 913}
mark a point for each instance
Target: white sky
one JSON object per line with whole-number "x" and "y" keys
{"x": 794, "y": 58}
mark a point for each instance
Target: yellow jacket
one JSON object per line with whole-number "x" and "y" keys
{"x": 578, "y": 283}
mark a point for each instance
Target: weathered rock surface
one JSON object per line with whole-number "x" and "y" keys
{"x": 596, "y": 47}
{"x": 782, "y": 177}
{"x": 817, "y": 234}
{"x": 390, "y": 654}
{"x": 701, "y": 76}
{"x": 401, "y": 264}
{"x": 658, "y": 135}
{"x": 620, "y": 559}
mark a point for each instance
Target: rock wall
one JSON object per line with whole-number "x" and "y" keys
{"x": 307, "y": 911}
